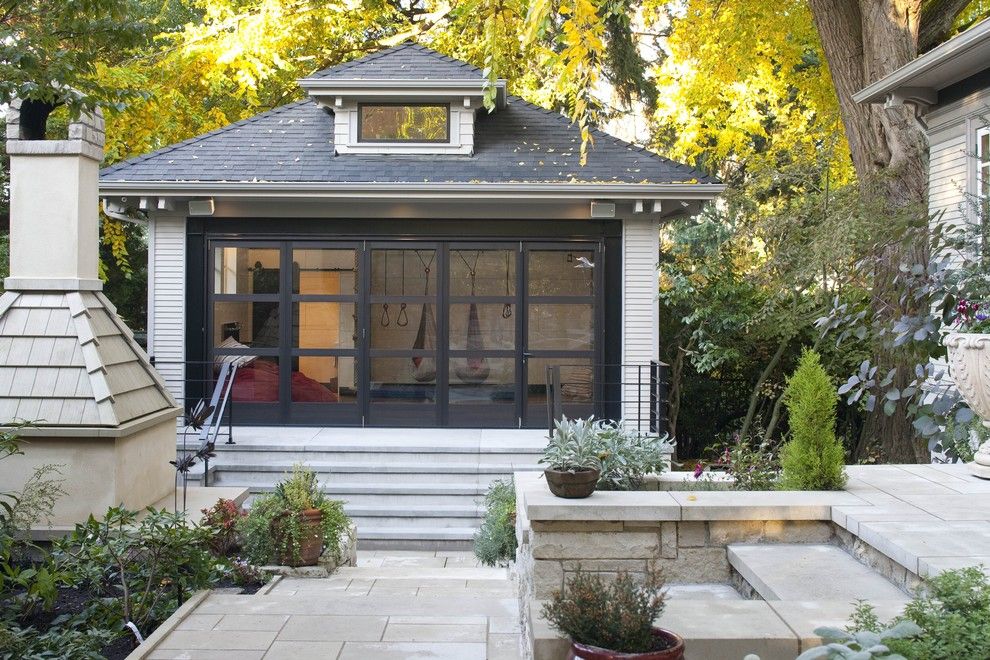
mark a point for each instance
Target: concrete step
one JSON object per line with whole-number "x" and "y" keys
{"x": 416, "y": 572}
{"x": 440, "y": 515}
{"x": 410, "y": 453}
{"x": 260, "y": 474}
{"x": 809, "y": 572}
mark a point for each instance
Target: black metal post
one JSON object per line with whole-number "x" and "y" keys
{"x": 553, "y": 397}
{"x": 654, "y": 397}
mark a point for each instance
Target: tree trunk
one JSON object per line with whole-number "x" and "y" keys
{"x": 863, "y": 42}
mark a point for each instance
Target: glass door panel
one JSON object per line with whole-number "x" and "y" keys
{"x": 561, "y": 328}
{"x": 482, "y": 330}
{"x": 323, "y": 374}
{"x": 405, "y": 326}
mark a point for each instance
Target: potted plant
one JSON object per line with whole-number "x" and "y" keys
{"x": 968, "y": 348}
{"x": 613, "y": 620}
{"x": 292, "y": 525}
{"x": 572, "y": 460}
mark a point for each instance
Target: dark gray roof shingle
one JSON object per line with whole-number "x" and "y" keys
{"x": 408, "y": 61}
{"x": 294, "y": 143}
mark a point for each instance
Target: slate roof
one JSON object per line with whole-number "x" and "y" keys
{"x": 520, "y": 143}
{"x": 66, "y": 359}
{"x": 408, "y": 61}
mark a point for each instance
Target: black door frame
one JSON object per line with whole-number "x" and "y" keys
{"x": 604, "y": 235}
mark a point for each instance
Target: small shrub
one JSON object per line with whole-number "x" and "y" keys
{"x": 144, "y": 568}
{"x": 617, "y": 616}
{"x": 750, "y": 462}
{"x": 220, "y": 523}
{"x": 573, "y": 446}
{"x": 622, "y": 455}
{"x": 495, "y": 542}
{"x": 953, "y": 610}
{"x": 272, "y": 529}
{"x": 813, "y": 458}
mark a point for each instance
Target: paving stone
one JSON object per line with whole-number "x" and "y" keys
{"x": 808, "y": 572}
{"x": 412, "y": 650}
{"x": 202, "y": 654}
{"x": 341, "y": 628}
{"x": 907, "y": 541}
{"x": 421, "y": 632}
{"x": 199, "y": 622}
{"x": 850, "y": 517}
{"x": 252, "y": 622}
{"x": 218, "y": 641}
{"x": 932, "y": 566}
{"x": 803, "y": 617}
{"x": 504, "y": 647}
{"x": 761, "y": 505}
{"x": 286, "y": 650}
{"x": 702, "y": 592}
{"x": 729, "y": 629}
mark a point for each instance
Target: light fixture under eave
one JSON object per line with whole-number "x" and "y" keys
{"x": 201, "y": 207}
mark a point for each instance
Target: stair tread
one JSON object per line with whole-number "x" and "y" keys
{"x": 418, "y": 533}
{"x": 790, "y": 571}
{"x": 425, "y": 467}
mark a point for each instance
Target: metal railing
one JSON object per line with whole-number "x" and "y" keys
{"x": 204, "y": 384}
{"x": 633, "y": 393}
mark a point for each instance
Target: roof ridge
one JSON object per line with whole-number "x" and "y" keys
{"x": 618, "y": 141}
{"x": 202, "y": 136}
{"x": 370, "y": 57}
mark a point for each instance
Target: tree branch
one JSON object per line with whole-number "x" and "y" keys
{"x": 937, "y": 18}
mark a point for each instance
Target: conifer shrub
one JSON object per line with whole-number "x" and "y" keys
{"x": 813, "y": 458}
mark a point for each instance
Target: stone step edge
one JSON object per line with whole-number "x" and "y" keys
{"x": 377, "y": 468}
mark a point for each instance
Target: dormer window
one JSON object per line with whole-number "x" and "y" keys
{"x": 403, "y": 122}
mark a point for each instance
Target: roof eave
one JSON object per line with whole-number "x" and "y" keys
{"x": 958, "y": 58}
{"x": 289, "y": 190}
{"x": 378, "y": 87}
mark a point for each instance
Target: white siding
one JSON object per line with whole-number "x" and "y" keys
{"x": 640, "y": 333}
{"x": 167, "y": 298}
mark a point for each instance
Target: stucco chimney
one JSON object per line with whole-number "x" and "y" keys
{"x": 69, "y": 366}
{"x": 54, "y": 206}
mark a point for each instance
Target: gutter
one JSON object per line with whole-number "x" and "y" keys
{"x": 322, "y": 190}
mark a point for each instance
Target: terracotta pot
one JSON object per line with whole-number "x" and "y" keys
{"x": 572, "y": 485}
{"x": 674, "y": 650}
{"x": 310, "y": 541}
{"x": 969, "y": 362}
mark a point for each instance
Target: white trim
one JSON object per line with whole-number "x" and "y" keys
{"x": 269, "y": 189}
{"x": 956, "y": 59}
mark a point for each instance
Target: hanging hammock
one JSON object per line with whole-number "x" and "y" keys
{"x": 476, "y": 369}
{"x": 425, "y": 368}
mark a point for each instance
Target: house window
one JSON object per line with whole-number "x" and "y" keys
{"x": 403, "y": 123}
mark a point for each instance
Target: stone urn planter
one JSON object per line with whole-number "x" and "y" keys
{"x": 969, "y": 364}
{"x": 576, "y": 484}
{"x": 310, "y": 540}
{"x": 673, "y": 649}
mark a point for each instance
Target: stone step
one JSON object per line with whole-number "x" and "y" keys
{"x": 365, "y": 524}
{"x": 416, "y": 454}
{"x": 260, "y": 474}
{"x": 808, "y": 572}
{"x": 419, "y": 574}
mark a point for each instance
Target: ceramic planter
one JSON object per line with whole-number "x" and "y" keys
{"x": 572, "y": 485}
{"x": 310, "y": 541}
{"x": 674, "y": 650}
{"x": 969, "y": 363}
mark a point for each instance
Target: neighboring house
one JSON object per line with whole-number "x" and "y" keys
{"x": 388, "y": 252}
{"x": 950, "y": 87}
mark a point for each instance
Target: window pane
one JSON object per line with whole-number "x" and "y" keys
{"x": 404, "y": 123}
{"x": 245, "y": 270}
{"x": 404, "y": 272}
{"x": 403, "y": 380}
{"x": 482, "y": 380}
{"x": 323, "y": 325}
{"x": 256, "y": 380}
{"x": 983, "y": 148}
{"x": 403, "y": 326}
{"x": 325, "y": 272}
{"x": 561, "y": 327}
{"x": 482, "y": 327}
{"x": 324, "y": 379}
{"x": 245, "y": 324}
{"x": 561, "y": 273}
{"x": 494, "y": 273}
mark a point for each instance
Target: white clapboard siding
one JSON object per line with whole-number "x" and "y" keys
{"x": 167, "y": 299}
{"x": 640, "y": 339}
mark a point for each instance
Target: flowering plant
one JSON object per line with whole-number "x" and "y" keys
{"x": 972, "y": 316}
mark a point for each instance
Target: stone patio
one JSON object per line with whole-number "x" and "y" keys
{"x": 393, "y": 605}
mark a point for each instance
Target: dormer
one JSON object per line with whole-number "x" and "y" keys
{"x": 404, "y": 100}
